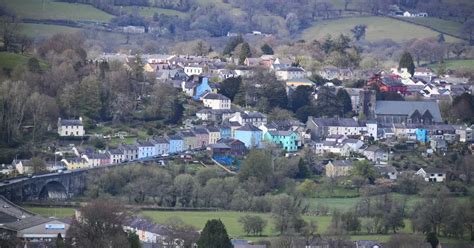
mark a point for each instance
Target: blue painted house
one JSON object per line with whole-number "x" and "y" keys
{"x": 422, "y": 135}
{"x": 202, "y": 88}
{"x": 146, "y": 149}
{"x": 288, "y": 140}
{"x": 176, "y": 144}
{"x": 250, "y": 135}
{"x": 225, "y": 131}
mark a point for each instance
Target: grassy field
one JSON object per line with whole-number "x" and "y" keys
{"x": 148, "y": 12}
{"x": 44, "y": 30}
{"x": 378, "y": 28}
{"x": 10, "y": 60}
{"x": 449, "y": 27}
{"x": 230, "y": 220}
{"x": 456, "y": 64}
{"x": 49, "y": 9}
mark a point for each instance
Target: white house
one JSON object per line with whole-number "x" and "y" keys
{"x": 70, "y": 128}
{"x": 216, "y": 101}
{"x": 116, "y": 156}
{"x": 407, "y": 14}
{"x": 193, "y": 70}
{"x": 432, "y": 174}
{"x": 23, "y": 166}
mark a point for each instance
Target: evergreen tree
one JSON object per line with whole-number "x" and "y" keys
{"x": 34, "y": 66}
{"x": 214, "y": 235}
{"x": 230, "y": 87}
{"x": 137, "y": 68}
{"x": 232, "y": 44}
{"x": 60, "y": 241}
{"x": 300, "y": 97}
{"x": 406, "y": 61}
{"x": 303, "y": 171}
{"x": 344, "y": 101}
{"x": 134, "y": 240}
{"x": 441, "y": 38}
{"x": 244, "y": 52}
{"x": 267, "y": 49}
{"x": 441, "y": 69}
{"x": 432, "y": 239}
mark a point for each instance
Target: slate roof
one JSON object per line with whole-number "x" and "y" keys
{"x": 335, "y": 122}
{"x": 219, "y": 146}
{"x": 292, "y": 68}
{"x": 249, "y": 127}
{"x": 26, "y": 223}
{"x": 128, "y": 147}
{"x": 386, "y": 169}
{"x": 116, "y": 151}
{"x": 213, "y": 129}
{"x": 342, "y": 163}
{"x": 216, "y": 96}
{"x": 174, "y": 137}
{"x": 145, "y": 143}
{"x": 407, "y": 108}
{"x": 201, "y": 131}
{"x": 161, "y": 140}
{"x": 280, "y": 133}
{"x": 252, "y": 115}
{"x": 434, "y": 171}
{"x": 146, "y": 225}
{"x": 98, "y": 156}
{"x": 70, "y": 122}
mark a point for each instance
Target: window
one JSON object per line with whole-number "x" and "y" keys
{"x": 66, "y": 132}
{"x": 440, "y": 175}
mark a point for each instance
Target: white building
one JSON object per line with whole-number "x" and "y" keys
{"x": 70, "y": 128}
{"x": 432, "y": 174}
{"x": 193, "y": 70}
{"x": 216, "y": 101}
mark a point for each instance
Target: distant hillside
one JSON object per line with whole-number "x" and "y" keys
{"x": 378, "y": 28}
{"x": 48, "y": 9}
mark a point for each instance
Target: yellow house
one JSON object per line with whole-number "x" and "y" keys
{"x": 339, "y": 168}
{"x": 149, "y": 67}
{"x": 75, "y": 163}
{"x": 299, "y": 82}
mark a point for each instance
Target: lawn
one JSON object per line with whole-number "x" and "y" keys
{"x": 49, "y": 9}
{"x": 11, "y": 60}
{"x": 378, "y": 28}
{"x": 148, "y": 12}
{"x": 455, "y": 64}
{"x": 44, "y": 30}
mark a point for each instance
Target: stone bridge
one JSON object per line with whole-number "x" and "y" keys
{"x": 52, "y": 186}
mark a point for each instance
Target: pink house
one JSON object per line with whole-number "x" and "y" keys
{"x": 202, "y": 137}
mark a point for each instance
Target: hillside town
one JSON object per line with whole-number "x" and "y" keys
{"x": 236, "y": 124}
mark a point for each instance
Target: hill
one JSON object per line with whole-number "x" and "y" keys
{"x": 455, "y": 64}
{"x": 49, "y": 9}
{"x": 378, "y": 28}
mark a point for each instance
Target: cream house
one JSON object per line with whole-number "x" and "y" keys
{"x": 339, "y": 168}
{"x": 216, "y": 101}
{"x": 70, "y": 128}
{"x": 290, "y": 73}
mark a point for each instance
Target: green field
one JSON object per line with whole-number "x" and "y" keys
{"x": 449, "y": 27}
{"x": 456, "y": 64}
{"x": 44, "y": 30}
{"x": 378, "y": 28}
{"x": 230, "y": 220}
{"x": 148, "y": 12}
{"x": 49, "y": 9}
{"x": 11, "y": 60}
